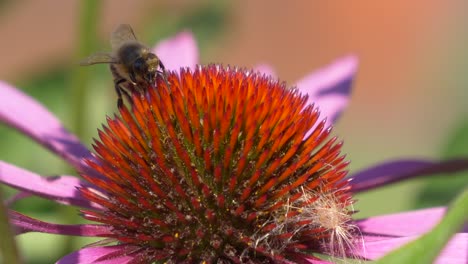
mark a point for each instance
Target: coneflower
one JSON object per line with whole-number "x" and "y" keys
{"x": 221, "y": 167}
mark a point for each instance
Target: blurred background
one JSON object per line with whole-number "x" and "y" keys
{"x": 409, "y": 97}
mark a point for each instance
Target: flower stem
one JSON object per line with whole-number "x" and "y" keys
{"x": 8, "y": 249}
{"x": 86, "y": 43}
{"x": 80, "y": 76}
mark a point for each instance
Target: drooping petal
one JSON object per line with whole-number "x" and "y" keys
{"x": 23, "y": 224}
{"x": 332, "y": 86}
{"x": 99, "y": 255}
{"x": 454, "y": 252}
{"x": 401, "y": 224}
{"x": 178, "y": 51}
{"x": 22, "y": 112}
{"x": 397, "y": 170}
{"x": 16, "y": 197}
{"x": 62, "y": 189}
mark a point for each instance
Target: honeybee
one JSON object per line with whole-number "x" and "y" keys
{"x": 132, "y": 64}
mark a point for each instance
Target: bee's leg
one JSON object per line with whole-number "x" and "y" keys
{"x": 163, "y": 73}
{"x": 132, "y": 76}
{"x": 119, "y": 89}
{"x": 119, "y": 93}
{"x": 129, "y": 97}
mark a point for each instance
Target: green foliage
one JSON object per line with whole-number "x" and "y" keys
{"x": 438, "y": 191}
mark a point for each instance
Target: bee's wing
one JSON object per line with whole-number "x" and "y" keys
{"x": 122, "y": 34}
{"x": 100, "y": 57}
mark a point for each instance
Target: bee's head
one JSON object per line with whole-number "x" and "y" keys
{"x": 145, "y": 68}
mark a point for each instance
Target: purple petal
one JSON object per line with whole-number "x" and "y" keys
{"x": 332, "y": 86}
{"x": 178, "y": 51}
{"x": 454, "y": 252}
{"x": 31, "y": 118}
{"x": 24, "y": 224}
{"x": 401, "y": 224}
{"x": 62, "y": 189}
{"x": 397, "y": 170}
{"x": 102, "y": 255}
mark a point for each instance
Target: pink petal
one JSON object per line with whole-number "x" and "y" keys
{"x": 62, "y": 189}
{"x": 402, "y": 224}
{"x": 99, "y": 255}
{"x": 454, "y": 252}
{"x": 397, "y": 170}
{"x": 265, "y": 69}
{"x": 24, "y": 224}
{"x": 332, "y": 86}
{"x": 178, "y": 51}
{"x": 22, "y": 112}
{"x": 376, "y": 248}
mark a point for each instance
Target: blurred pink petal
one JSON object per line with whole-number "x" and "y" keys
{"x": 455, "y": 252}
{"x": 24, "y": 224}
{"x": 330, "y": 107}
{"x": 22, "y": 112}
{"x": 398, "y": 170}
{"x": 100, "y": 255}
{"x": 265, "y": 69}
{"x": 62, "y": 189}
{"x": 332, "y": 78}
{"x": 330, "y": 87}
{"x": 178, "y": 51}
{"x": 402, "y": 224}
